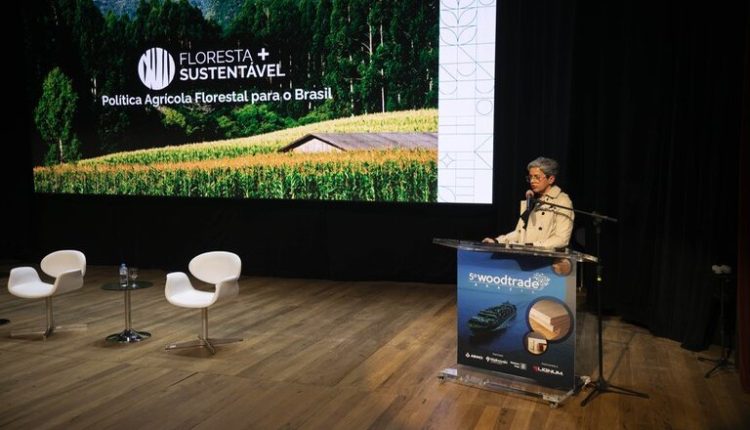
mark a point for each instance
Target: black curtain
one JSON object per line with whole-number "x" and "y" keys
{"x": 533, "y": 96}
{"x": 656, "y": 122}
{"x": 743, "y": 238}
{"x": 17, "y": 238}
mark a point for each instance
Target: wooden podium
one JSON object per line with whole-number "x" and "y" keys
{"x": 516, "y": 319}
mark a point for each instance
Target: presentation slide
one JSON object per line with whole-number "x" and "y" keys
{"x": 353, "y": 100}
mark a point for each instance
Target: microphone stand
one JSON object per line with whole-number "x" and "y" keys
{"x": 601, "y": 386}
{"x": 723, "y": 361}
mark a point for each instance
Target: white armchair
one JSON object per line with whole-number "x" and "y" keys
{"x": 220, "y": 268}
{"x": 68, "y": 267}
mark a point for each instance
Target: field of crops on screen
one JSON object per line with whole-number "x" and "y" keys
{"x": 383, "y": 175}
{"x": 416, "y": 121}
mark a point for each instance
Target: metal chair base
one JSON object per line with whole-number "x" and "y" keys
{"x": 51, "y": 327}
{"x": 202, "y": 342}
{"x": 45, "y": 333}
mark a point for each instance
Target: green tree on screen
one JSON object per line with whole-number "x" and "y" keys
{"x": 54, "y": 118}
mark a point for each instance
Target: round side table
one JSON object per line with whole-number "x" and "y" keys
{"x": 128, "y": 335}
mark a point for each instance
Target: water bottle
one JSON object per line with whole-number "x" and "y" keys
{"x": 123, "y": 275}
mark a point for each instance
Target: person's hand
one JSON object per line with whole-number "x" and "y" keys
{"x": 489, "y": 240}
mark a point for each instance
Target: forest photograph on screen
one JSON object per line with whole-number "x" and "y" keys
{"x": 262, "y": 99}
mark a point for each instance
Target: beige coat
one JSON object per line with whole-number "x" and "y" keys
{"x": 548, "y": 226}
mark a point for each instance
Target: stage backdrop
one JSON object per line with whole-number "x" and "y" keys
{"x": 616, "y": 91}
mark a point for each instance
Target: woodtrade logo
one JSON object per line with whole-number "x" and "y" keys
{"x": 536, "y": 282}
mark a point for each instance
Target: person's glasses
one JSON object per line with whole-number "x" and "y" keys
{"x": 530, "y": 178}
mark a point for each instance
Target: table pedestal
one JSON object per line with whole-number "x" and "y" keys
{"x": 128, "y": 335}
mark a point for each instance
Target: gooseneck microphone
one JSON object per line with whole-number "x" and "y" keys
{"x": 529, "y": 199}
{"x": 530, "y": 203}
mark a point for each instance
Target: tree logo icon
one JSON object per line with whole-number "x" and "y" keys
{"x": 156, "y": 68}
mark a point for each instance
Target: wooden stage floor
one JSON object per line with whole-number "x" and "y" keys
{"x": 317, "y": 354}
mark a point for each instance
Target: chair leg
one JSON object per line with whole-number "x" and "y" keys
{"x": 203, "y": 340}
{"x": 51, "y": 328}
{"x": 183, "y": 345}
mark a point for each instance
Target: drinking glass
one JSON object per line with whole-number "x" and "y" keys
{"x": 132, "y": 274}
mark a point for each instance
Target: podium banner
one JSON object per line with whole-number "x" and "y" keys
{"x": 516, "y": 315}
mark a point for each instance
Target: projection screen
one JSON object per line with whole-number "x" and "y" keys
{"x": 289, "y": 99}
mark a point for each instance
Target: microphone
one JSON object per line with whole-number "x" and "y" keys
{"x": 529, "y": 199}
{"x": 530, "y": 203}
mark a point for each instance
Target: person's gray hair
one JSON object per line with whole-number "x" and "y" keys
{"x": 546, "y": 165}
